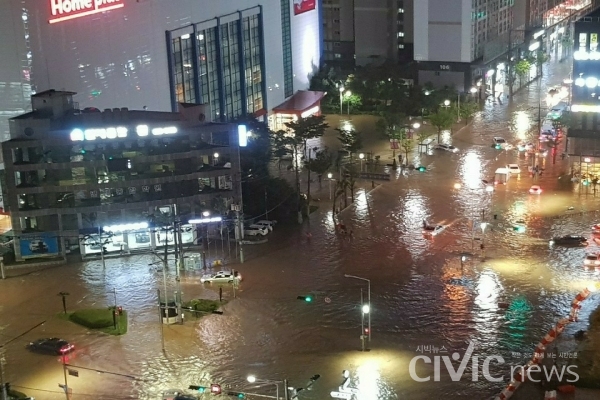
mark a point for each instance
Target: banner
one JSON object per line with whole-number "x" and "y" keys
{"x": 42, "y": 245}
{"x": 302, "y": 6}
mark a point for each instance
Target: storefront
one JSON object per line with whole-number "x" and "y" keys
{"x": 302, "y": 104}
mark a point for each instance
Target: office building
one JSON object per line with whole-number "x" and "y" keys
{"x": 71, "y": 173}
{"x": 237, "y": 56}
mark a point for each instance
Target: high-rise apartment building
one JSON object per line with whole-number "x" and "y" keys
{"x": 360, "y": 32}
{"x": 466, "y": 43}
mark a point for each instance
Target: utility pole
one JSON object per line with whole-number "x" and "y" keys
{"x": 4, "y": 391}
{"x": 66, "y": 388}
{"x": 509, "y": 65}
{"x": 160, "y": 319}
{"x": 239, "y": 229}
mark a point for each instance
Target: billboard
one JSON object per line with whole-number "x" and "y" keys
{"x": 302, "y": 6}
{"x": 41, "y": 245}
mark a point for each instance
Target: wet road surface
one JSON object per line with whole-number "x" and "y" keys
{"x": 421, "y": 295}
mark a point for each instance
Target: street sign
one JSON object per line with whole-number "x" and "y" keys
{"x": 327, "y": 300}
{"x": 341, "y": 395}
{"x": 73, "y": 372}
{"x": 394, "y": 144}
{"x": 372, "y": 175}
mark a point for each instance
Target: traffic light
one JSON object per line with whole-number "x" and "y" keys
{"x": 366, "y": 331}
{"x": 200, "y": 389}
{"x": 584, "y": 182}
{"x": 215, "y": 388}
{"x": 421, "y": 169}
{"x": 307, "y": 299}
{"x": 239, "y": 395}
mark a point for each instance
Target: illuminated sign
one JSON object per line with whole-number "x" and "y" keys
{"x": 582, "y": 55}
{"x": 79, "y": 135}
{"x": 64, "y": 10}
{"x": 205, "y": 220}
{"x": 243, "y": 135}
{"x": 538, "y": 34}
{"x": 310, "y": 111}
{"x": 585, "y": 108}
{"x": 302, "y": 6}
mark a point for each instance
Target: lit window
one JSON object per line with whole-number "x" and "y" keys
{"x": 401, "y": 11}
{"x": 400, "y": 46}
{"x": 337, "y": 55}
{"x": 400, "y": 34}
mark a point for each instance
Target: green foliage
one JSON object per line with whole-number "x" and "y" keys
{"x": 442, "y": 120}
{"x": 389, "y": 125}
{"x": 203, "y": 305}
{"x": 407, "y": 145}
{"x": 468, "y": 109}
{"x": 321, "y": 162}
{"x": 101, "y": 319}
{"x": 351, "y": 140}
{"x": 541, "y": 57}
{"x": 307, "y": 128}
{"x": 522, "y": 68}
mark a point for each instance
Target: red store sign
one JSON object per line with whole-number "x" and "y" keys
{"x": 302, "y": 6}
{"x": 64, "y": 10}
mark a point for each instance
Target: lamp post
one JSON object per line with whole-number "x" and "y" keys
{"x": 483, "y": 226}
{"x": 341, "y": 99}
{"x": 254, "y": 379}
{"x": 215, "y": 159}
{"x": 463, "y": 258}
{"x": 458, "y": 107}
{"x": 368, "y": 301}
{"x": 347, "y": 95}
{"x": 361, "y": 156}
{"x": 446, "y": 103}
{"x": 330, "y": 177}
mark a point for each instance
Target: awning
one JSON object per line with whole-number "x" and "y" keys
{"x": 300, "y": 102}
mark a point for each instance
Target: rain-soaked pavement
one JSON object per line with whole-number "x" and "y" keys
{"x": 420, "y": 294}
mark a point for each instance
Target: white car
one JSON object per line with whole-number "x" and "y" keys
{"x": 513, "y": 169}
{"x": 499, "y": 140}
{"x": 433, "y": 230}
{"x": 221, "y": 277}
{"x": 446, "y": 147}
{"x": 266, "y": 223}
{"x": 256, "y": 230}
{"x": 592, "y": 259}
{"x": 535, "y": 189}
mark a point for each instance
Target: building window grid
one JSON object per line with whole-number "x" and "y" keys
{"x": 183, "y": 69}
{"x": 231, "y": 71}
{"x": 288, "y": 77}
{"x": 252, "y": 55}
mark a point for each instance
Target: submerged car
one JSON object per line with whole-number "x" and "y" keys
{"x": 446, "y": 147}
{"x": 256, "y": 230}
{"x": 569, "y": 240}
{"x": 221, "y": 277}
{"x": 51, "y": 346}
{"x": 433, "y": 230}
{"x": 535, "y": 189}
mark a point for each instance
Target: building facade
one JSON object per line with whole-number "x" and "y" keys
{"x": 71, "y": 173}
{"x": 238, "y": 56}
{"x": 360, "y": 32}
{"x": 468, "y": 43}
{"x": 583, "y": 145}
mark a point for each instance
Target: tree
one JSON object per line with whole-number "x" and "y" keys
{"x": 320, "y": 163}
{"x": 351, "y": 142}
{"x": 407, "y": 146}
{"x": 522, "y": 68}
{"x": 442, "y": 120}
{"x": 422, "y": 135}
{"x": 352, "y": 101}
{"x": 301, "y": 131}
{"x": 389, "y": 125}
{"x": 540, "y": 58}
{"x": 467, "y": 110}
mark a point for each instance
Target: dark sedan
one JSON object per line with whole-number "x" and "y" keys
{"x": 51, "y": 346}
{"x": 569, "y": 240}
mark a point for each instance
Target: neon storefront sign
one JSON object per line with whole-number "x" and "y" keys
{"x": 80, "y": 135}
{"x": 64, "y": 10}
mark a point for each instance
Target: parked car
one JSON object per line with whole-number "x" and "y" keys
{"x": 499, "y": 140}
{"x": 266, "y": 223}
{"x": 569, "y": 240}
{"x": 51, "y": 346}
{"x": 256, "y": 230}
{"x": 446, "y": 147}
{"x": 433, "y": 230}
{"x": 221, "y": 277}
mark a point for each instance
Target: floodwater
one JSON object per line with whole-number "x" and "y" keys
{"x": 421, "y": 295}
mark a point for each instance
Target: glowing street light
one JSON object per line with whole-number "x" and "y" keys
{"x": 206, "y": 213}
{"x": 341, "y": 89}
{"x": 446, "y": 103}
{"x": 215, "y": 158}
{"x": 366, "y": 309}
{"x": 347, "y": 95}
{"x": 330, "y": 177}
{"x": 362, "y": 157}
{"x": 457, "y": 185}
{"x": 254, "y": 379}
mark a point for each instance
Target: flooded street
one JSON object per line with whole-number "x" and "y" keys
{"x": 421, "y": 294}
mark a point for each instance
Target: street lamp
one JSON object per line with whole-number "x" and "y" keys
{"x": 215, "y": 158}
{"x": 347, "y": 95}
{"x": 362, "y": 157}
{"x": 330, "y": 177}
{"x": 341, "y": 99}
{"x": 483, "y": 226}
{"x": 368, "y": 301}
{"x": 457, "y": 185}
{"x": 206, "y": 213}
{"x": 446, "y": 103}
{"x": 254, "y": 379}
